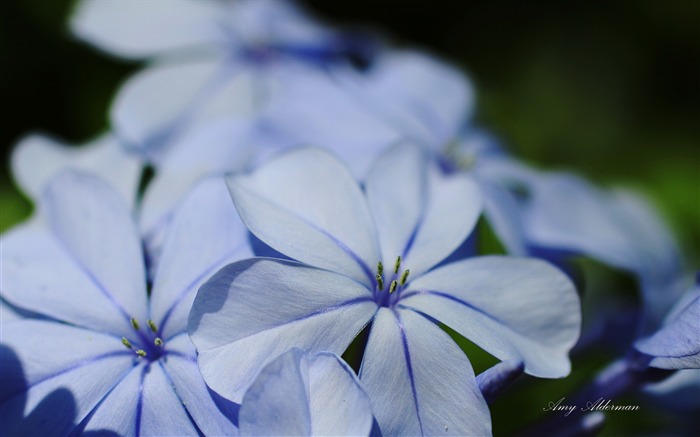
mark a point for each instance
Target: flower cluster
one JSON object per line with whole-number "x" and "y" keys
{"x": 299, "y": 204}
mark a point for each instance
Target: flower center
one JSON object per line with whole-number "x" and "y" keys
{"x": 388, "y": 286}
{"x": 147, "y": 344}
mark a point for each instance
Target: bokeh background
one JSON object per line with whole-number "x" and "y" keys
{"x": 610, "y": 90}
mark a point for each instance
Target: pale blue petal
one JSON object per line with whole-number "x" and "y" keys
{"x": 85, "y": 363}
{"x": 95, "y": 227}
{"x": 566, "y": 212}
{"x": 416, "y": 209}
{"x": 217, "y": 148}
{"x": 277, "y": 403}
{"x": 39, "y": 275}
{"x": 514, "y": 308}
{"x": 339, "y": 404}
{"x": 306, "y": 205}
{"x": 677, "y": 344}
{"x": 503, "y": 214}
{"x": 254, "y": 310}
{"x": 332, "y": 120}
{"x": 425, "y": 99}
{"x": 140, "y": 29}
{"x": 206, "y": 234}
{"x": 37, "y": 159}
{"x": 419, "y": 381}
{"x": 300, "y": 394}
{"x": 161, "y": 102}
{"x": 118, "y": 410}
{"x": 181, "y": 367}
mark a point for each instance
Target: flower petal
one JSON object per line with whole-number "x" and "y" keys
{"x": 254, "y": 310}
{"x": 514, "y": 308}
{"x": 310, "y": 108}
{"x": 94, "y": 225}
{"x": 306, "y": 205}
{"x": 206, "y": 235}
{"x": 144, "y": 29}
{"x": 339, "y": 404}
{"x": 37, "y": 159}
{"x": 415, "y": 209}
{"x": 83, "y": 366}
{"x": 425, "y": 99}
{"x": 419, "y": 381}
{"x": 493, "y": 381}
{"x": 183, "y": 372}
{"x": 302, "y": 394}
{"x": 502, "y": 212}
{"x": 39, "y": 275}
{"x": 677, "y": 344}
{"x": 277, "y": 403}
{"x": 158, "y": 104}
{"x": 217, "y": 148}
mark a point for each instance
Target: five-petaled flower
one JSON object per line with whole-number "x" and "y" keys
{"x": 371, "y": 255}
{"x": 122, "y": 355}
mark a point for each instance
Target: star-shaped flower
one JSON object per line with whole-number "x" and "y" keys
{"x": 121, "y": 352}
{"x": 371, "y": 256}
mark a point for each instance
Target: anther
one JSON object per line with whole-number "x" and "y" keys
{"x": 398, "y": 264}
{"x": 392, "y": 287}
{"x": 135, "y": 323}
{"x": 158, "y": 342}
{"x": 126, "y": 343}
{"x": 141, "y": 353}
{"x": 404, "y": 277}
{"x": 380, "y": 268}
{"x": 152, "y": 325}
{"x": 380, "y": 281}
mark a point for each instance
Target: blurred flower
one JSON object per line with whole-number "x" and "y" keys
{"x": 214, "y": 60}
{"x": 120, "y": 351}
{"x": 36, "y": 159}
{"x": 677, "y": 344}
{"x": 304, "y": 394}
{"x": 308, "y": 206}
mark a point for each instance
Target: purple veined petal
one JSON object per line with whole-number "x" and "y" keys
{"x": 217, "y": 148}
{"x": 93, "y": 224}
{"x": 330, "y": 122}
{"x": 40, "y": 275}
{"x": 160, "y": 103}
{"x": 416, "y": 209}
{"x": 254, "y": 310}
{"x": 277, "y": 403}
{"x": 418, "y": 95}
{"x": 677, "y": 344}
{"x": 148, "y": 28}
{"x": 84, "y": 365}
{"x": 304, "y": 394}
{"x": 419, "y": 381}
{"x": 306, "y": 205}
{"x": 514, "y": 308}
{"x": 37, "y": 159}
{"x": 183, "y": 373}
{"x": 206, "y": 234}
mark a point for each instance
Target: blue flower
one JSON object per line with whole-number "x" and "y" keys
{"x": 215, "y": 59}
{"x": 304, "y": 394}
{"x": 370, "y": 256}
{"x": 677, "y": 344}
{"x": 121, "y": 352}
